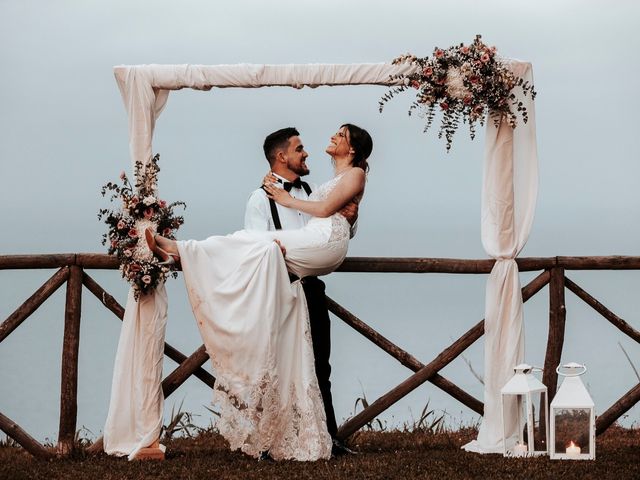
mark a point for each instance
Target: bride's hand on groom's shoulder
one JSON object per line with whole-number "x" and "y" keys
{"x": 269, "y": 178}
{"x": 278, "y": 195}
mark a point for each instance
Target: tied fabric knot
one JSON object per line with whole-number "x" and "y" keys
{"x": 297, "y": 183}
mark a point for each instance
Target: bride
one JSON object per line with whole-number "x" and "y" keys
{"x": 254, "y": 321}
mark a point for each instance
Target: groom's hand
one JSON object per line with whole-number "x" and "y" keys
{"x": 282, "y": 249}
{"x": 350, "y": 212}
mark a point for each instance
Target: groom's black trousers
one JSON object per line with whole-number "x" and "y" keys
{"x": 321, "y": 337}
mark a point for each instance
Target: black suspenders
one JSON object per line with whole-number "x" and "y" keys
{"x": 274, "y": 214}
{"x": 274, "y": 209}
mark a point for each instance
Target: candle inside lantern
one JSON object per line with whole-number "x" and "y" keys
{"x": 573, "y": 450}
{"x": 519, "y": 449}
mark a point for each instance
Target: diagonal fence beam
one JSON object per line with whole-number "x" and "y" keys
{"x": 618, "y": 409}
{"x": 30, "y": 305}
{"x": 403, "y": 356}
{"x": 171, "y": 383}
{"x": 27, "y": 442}
{"x": 414, "y": 381}
{"x": 618, "y": 322}
{"x": 112, "y": 304}
{"x": 187, "y": 368}
{"x": 444, "y": 358}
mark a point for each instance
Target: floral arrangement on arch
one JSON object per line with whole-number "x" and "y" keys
{"x": 464, "y": 82}
{"x": 140, "y": 208}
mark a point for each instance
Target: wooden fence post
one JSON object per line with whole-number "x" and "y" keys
{"x": 69, "y": 377}
{"x": 555, "y": 340}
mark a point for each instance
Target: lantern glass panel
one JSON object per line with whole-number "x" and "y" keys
{"x": 538, "y": 402}
{"x": 572, "y": 425}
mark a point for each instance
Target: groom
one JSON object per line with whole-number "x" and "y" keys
{"x": 286, "y": 156}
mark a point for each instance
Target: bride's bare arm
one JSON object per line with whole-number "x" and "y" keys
{"x": 349, "y": 186}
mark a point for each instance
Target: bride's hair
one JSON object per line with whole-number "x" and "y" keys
{"x": 362, "y": 145}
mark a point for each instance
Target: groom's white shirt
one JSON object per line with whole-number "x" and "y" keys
{"x": 258, "y": 213}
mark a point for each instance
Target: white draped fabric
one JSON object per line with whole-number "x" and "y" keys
{"x": 509, "y": 191}
{"x": 135, "y": 412}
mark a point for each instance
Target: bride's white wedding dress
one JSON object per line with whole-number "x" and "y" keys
{"x": 255, "y": 326}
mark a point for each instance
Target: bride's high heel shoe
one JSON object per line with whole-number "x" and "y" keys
{"x": 166, "y": 257}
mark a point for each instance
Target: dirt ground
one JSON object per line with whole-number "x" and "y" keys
{"x": 380, "y": 455}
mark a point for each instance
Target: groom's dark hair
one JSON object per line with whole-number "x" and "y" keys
{"x": 277, "y": 141}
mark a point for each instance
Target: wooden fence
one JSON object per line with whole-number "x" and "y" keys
{"x": 71, "y": 269}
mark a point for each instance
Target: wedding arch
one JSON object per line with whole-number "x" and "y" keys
{"x": 509, "y": 191}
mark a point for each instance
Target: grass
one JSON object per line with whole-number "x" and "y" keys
{"x": 424, "y": 454}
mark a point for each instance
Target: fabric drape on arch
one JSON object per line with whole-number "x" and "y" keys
{"x": 135, "y": 411}
{"x": 509, "y": 192}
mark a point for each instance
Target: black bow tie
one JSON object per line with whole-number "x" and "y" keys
{"x": 297, "y": 183}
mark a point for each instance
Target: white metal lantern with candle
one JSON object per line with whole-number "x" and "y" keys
{"x": 573, "y": 419}
{"x": 528, "y": 393}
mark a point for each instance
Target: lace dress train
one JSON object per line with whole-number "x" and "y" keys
{"x": 255, "y": 327}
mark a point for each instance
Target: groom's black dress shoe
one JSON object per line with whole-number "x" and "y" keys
{"x": 340, "y": 448}
{"x": 265, "y": 457}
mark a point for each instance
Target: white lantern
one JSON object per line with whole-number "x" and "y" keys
{"x": 527, "y": 392}
{"x": 573, "y": 419}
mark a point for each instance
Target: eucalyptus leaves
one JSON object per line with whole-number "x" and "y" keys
{"x": 464, "y": 82}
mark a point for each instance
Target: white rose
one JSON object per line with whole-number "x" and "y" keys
{"x": 150, "y": 200}
{"x": 455, "y": 84}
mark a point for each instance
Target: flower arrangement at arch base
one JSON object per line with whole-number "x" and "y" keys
{"x": 464, "y": 82}
{"x": 140, "y": 208}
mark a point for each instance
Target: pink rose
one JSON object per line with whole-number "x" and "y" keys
{"x": 428, "y": 71}
{"x": 123, "y": 175}
{"x": 415, "y": 84}
{"x": 464, "y": 49}
{"x": 166, "y": 232}
{"x": 134, "y": 267}
{"x": 148, "y": 213}
{"x": 133, "y": 233}
{"x": 134, "y": 201}
{"x": 121, "y": 225}
{"x": 439, "y": 53}
{"x": 162, "y": 203}
{"x": 444, "y": 106}
{"x": 146, "y": 279}
{"x": 485, "y": 57}
{"x": 114, "y": 243}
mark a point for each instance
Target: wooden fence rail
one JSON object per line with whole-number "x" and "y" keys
{"x": 71, "y": 270}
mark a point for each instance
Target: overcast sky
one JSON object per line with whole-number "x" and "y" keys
{"x": 63, "y": 133}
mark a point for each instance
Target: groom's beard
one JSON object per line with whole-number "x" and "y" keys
{"x": 300, "y": 170}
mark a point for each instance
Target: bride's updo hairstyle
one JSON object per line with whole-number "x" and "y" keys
{"x": 361, "y": 143}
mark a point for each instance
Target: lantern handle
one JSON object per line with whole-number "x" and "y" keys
{"x": 525, "y": 368}
{"x": 575, "y": 366}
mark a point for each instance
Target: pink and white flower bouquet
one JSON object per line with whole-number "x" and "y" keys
{"x": 464, "y": 82}
{"x": 139, "y": 208}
